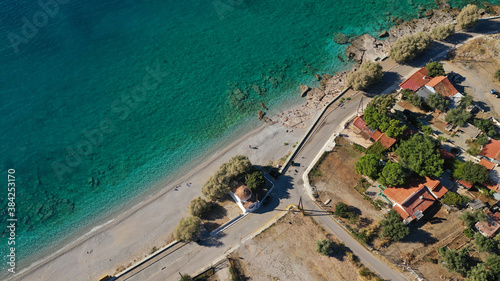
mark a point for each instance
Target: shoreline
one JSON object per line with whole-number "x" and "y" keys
{"x": 161, "y": 189}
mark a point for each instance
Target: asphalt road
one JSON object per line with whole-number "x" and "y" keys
{"x": 289, "y": 188}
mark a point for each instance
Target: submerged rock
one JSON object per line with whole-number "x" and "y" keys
{"x": 340, "y": 38}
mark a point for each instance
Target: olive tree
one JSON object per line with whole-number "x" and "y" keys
{"x": 198, "y": 207}
{"x": 368, "y": 74}
{"x": 408, "y": 47}
{"x": 187, "y": 229}
{"x": 442, "y": 32}
{"x": 468, "y": 17}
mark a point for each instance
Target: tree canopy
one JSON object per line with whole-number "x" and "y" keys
{"x": 393, "y": 227}
{"x": 408, "y": 47}
{"x": 435, "y": 69}
{"x": 458, "y": 116}
{"x": 392, "y": 175}
{"x": 187, "y": 229}
{"x": 368, "y": 74}
{"x": 198, "y": 207}
{"x": 454, "y": 260}
{"x": 454, "y": 199}
{"x": 383, "y": 103}
{"x": 325, "y": 247}
{"x": 442, "y": 32}
{"x": 420, "y": 154}
{"x": 413, "y": 98}
{"x": 437, "y": 101}
{"x": 368, "y": 165}
{"x": 470, "y": 218}
{"x": 471, "y": 172}
{"x": 484, "y": 244}
{"x": 218, "y": 184}
{"x": 255, "y": 180}
{"x": 468, "y": 17}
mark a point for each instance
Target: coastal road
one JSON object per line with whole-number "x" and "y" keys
{"x": 289, "y": 188}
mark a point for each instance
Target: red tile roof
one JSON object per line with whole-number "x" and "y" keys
{"x": 486, "y": 164}
{"x": 417, "y": 80}
{"x": 445, "y": 154}
{"x": 436, "y": 188}
{"x": 376, "y": 135}
{"x": 386, "y": 141}
{"x": 491, "y": 149}
{"x": 466, "y": 183}
{"x": 491, "y": 185}
{"x": 490, "y": 226}
{"x": 359, "y": 122}
{"x": 442, "y": 85}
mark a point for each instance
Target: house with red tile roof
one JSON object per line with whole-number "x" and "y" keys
{"x": 416, "y": 81}
{"x": 491, "y": 151}
{"x": 442, "y": 85}
{"x": 489, "y": 227}
{"x": 374, "y": 135}
{"x": 415, "y": 198}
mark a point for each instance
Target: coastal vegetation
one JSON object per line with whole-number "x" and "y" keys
{"x": 392, "y": 227}
{"x": 408, "y": 47}
{"x": 458, "y": 116}
{"x": 435, "y": 69}
{"x": 421, "y": 155}
{"x": 368, "y": 74}
{"x": 198, "y": 207}
{"x": 219, "y": 184}
{"x": 468, "y": 17}
{"x": 187, "y": 229}
{"x": 442, "y": 32}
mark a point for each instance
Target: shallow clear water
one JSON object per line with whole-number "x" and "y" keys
{"x": 103, "y": 99}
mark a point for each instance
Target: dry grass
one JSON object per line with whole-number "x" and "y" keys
{"x": 287, "y": 251}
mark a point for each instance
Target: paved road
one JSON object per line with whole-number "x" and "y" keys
{"x": 289, "y": 187}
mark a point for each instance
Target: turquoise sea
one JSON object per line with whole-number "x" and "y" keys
{"x": 101, "y": 99}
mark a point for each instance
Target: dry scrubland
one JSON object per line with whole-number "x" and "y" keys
{"x": 287, "y": 251}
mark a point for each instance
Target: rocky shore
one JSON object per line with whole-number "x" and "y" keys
{"x": 364, "y": 48}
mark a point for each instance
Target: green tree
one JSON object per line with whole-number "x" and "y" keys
{"x": 435, "y": 69}
{"x": 471, "y": 172}
{"x": 187, "y": 229}
{"x": 468, "y": 17}
{"x": 341, "y": 210}
{"x": 484, "y": 244}
{"x": 442, "y": 32}
{"x": 198, "y": 207}
{"x": 376, "y": 149}
{"x": 458, "y": 116}
{"x": 470, "y": 218}
{"x": 427, "y": 130}
{"x": 383, "y": 103}
{"x": 436, "y": 101}
{"x": 482, "y": 139}
{"x": 218, "y": 184}
{"x": 486, "y": 126}
{"x": 373, "y": 118}
{"x": 393, "y": 129}
{"x": 480, "y": 273}
{"x": 393, "y": 227}
{"x": 420, "y": 154}
{"x": 325, "y": 247}
{"x": 255, "y": 180}
{"x": 466, "y": 101}
{"x": 454, "y": 199}
{"x": 368, "y": 74}
{"x": 413, "y": 98}
{"x": 454, "y": 260}
{"x": 368, "y": 165}
{"x": 408, "y": 47}
{"x": 392, "y": 175}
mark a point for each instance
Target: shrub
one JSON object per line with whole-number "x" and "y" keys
{"x": 469, "y": 233}
{"x": 454, "y": 260}
{"x": 413, "y": 98}
{"x": 255, "y": 180}
{"x": 341, "y": 210}
{"x": 198, "y": 207}
{"x": 497, "y": 75}
{"x": 435, "y": 69}
{"x": 437, "y": 101}
{"x": 468, "y": 17}
{"x": 186, "y": 277}
{"x": 368, "y": 74}
{"x": 470, "y": 218}
{"x": 187, "y": 229}
{"x": 408, "y": 47}
{"x": 325, "y": 247}
{"x": 427, "y": 130}
{"x": 442, "y": 32}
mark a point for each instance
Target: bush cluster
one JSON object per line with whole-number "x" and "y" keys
{"x": 468, "y": 17}
{"x": 442, "y": 32}
{"x": 368, "y": 74}
{"x": 408, "y": 47}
